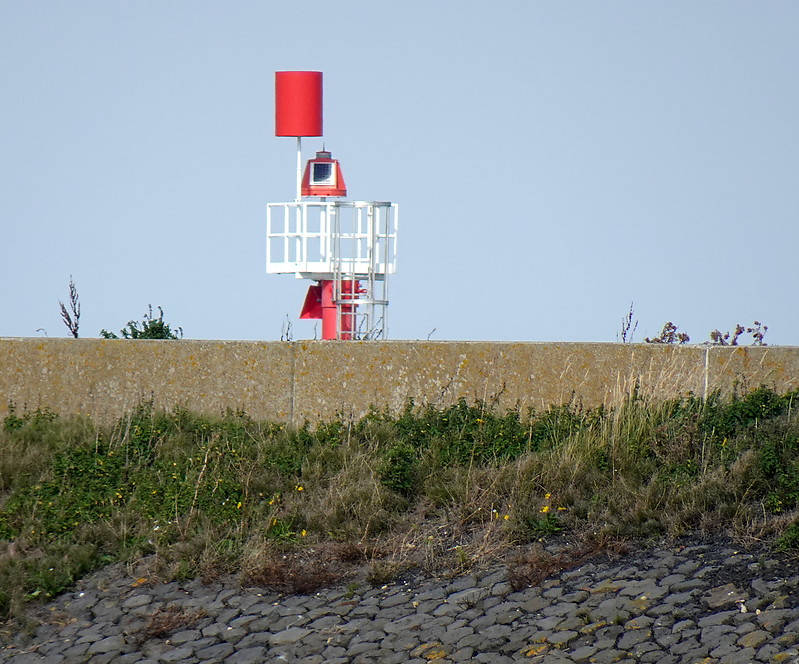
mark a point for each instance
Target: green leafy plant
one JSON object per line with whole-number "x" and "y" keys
{"x": 150, "y": 327}
{"x": 543, "y": 524}
{"x": 464, "y": 433}
{"x": 790, "y": 538}
{"x": 397, "y": 469}
{"x": 722, "y": 418}
{"x": 281, "y": 530}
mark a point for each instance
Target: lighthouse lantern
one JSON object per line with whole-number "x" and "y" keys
{"x": 323, "y": 177}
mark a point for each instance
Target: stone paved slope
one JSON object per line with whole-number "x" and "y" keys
{"x": 708, "y": 603}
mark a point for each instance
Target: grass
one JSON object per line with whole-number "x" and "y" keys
{"x": 443, "y": 489}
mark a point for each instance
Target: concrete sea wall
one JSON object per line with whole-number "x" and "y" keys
{"x": 313, "y": 380}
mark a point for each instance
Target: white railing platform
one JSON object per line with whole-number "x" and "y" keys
{"x": 317, "y": 239}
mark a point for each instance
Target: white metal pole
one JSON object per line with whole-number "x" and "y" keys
{"x": 299, "y": 168}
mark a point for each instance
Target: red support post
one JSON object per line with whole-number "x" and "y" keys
{"x": 329, "y": 326}
{"x": 330, "y": 313}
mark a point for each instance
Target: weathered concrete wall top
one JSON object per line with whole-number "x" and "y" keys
{"x": 107, "y": 377}
{"x": 312, "y": 380}
{"x": 332, "y": 377}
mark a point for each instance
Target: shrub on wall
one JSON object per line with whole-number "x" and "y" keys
{"x": 149, "y": 328}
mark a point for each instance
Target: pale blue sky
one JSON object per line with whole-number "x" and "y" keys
{"x": 553, "y": 161}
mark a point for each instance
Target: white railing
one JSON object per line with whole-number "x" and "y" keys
{"x": 342, "y": 241}
{"x": 317, "y": 239}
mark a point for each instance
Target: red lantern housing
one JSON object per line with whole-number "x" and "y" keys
{"x": 323, "y": 177}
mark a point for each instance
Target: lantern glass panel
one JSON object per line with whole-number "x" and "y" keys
{"x": 323, "y": 173}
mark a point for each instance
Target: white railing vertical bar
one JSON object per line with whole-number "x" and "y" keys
{"x": 286, "y": 219}
{"x": 304, "y": 236}
{"x": 386, "y": 220}
{"x": 374, "y": 228}
{"x": 269, "y": 233}
{"x": 336, "y": 236}
{"x": 295, "y": 218}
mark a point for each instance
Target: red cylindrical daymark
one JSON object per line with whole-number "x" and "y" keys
{"x": 298, "y": 103}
